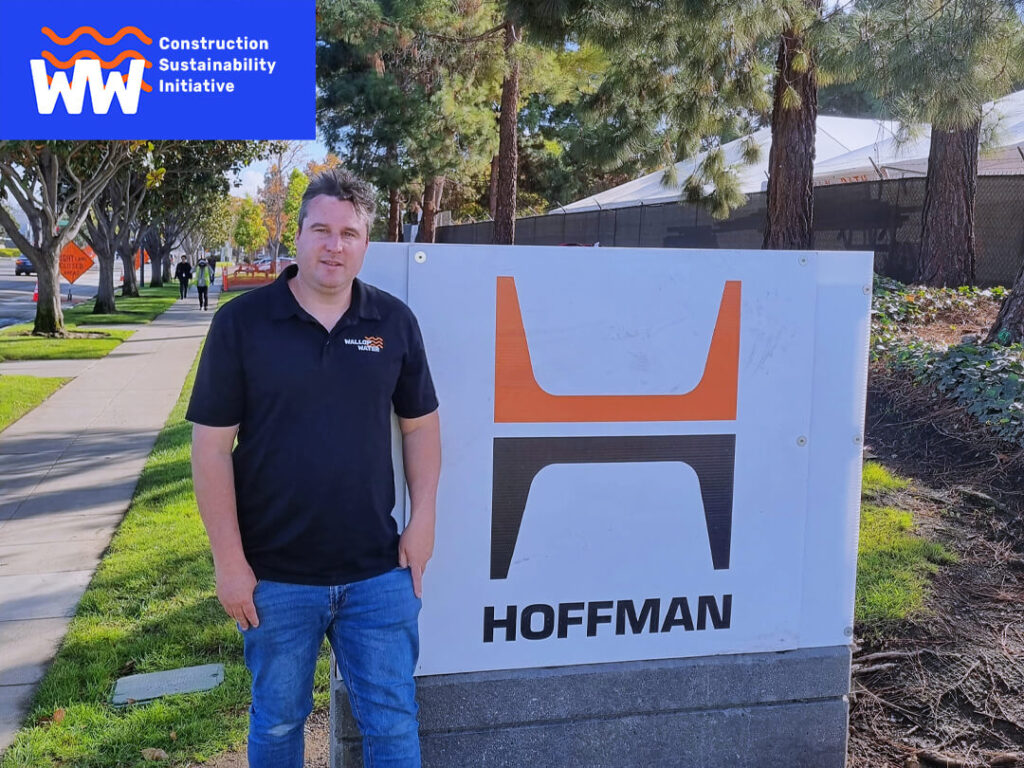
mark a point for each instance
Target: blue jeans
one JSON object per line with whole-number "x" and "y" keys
{"x": 372, "y": 627}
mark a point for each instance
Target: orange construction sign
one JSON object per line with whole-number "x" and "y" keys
{"x": 145, "y": 253}
{"x": 74, "y": 262}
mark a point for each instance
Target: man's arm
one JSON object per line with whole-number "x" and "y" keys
{"x": 421, "y": 453}
{"x": 214, "y": 478}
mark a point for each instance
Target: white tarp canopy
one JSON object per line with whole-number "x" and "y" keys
{"x": 893, "y": 159}
{"x": 847, "y": 149}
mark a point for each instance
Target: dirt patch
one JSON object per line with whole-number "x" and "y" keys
{"x": 948, "y": 688}
{"x": 951, "y": 324}
{"x": 318, "y": 746}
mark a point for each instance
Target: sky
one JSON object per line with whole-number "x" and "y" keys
{"x": 250, "y": 178}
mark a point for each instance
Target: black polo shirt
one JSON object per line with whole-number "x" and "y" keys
{"x": 313, "y": 475}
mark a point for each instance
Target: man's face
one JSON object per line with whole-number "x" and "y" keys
{"x": 330, "y": 247}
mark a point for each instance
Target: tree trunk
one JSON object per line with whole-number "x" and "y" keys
{"x": 1009, "y": 325}
{"x": 130, "y": 286}
{"x": 156, "y": 274}
{"x": 105, "y": 304}
{"x": 394, "y": 209}
{"x": 49, "y": 317}
{"x": 790, "y": 196}
{"x": 166, "y": 264}
{"x": 947, "y": 220}
{"x": 492, "y": 197}
{"x": 508, "y": 150}
{"x": 431, "y": 201}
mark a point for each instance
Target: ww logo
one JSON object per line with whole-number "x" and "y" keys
{"x": 88, "y": 75}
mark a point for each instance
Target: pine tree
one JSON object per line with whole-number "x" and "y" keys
{"x": 938, "y": 63}
{"x": 400, "y": 91}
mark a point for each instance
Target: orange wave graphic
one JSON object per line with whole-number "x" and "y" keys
{"x": 145, "y": 86}
{"x": 90, "y": 55}
{"x": 99, "y": 38}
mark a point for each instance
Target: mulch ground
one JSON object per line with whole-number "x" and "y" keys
{"x": 947, "y": 689}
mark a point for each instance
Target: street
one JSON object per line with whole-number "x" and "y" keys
{"x": 16, "y": 291}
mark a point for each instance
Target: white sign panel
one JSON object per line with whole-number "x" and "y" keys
{"x": 628, "y": 438}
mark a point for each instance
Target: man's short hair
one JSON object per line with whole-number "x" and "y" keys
{"x": 341, "y": 185}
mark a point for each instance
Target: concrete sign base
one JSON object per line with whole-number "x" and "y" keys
{"x": 736, "y": 711}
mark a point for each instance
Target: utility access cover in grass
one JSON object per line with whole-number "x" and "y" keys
{"x": 153, "y": 685}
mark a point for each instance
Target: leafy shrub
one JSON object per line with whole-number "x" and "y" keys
{"x": 988, "y": 380}
{"x": 894, "y": 302}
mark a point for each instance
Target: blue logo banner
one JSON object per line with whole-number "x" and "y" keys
{"x": 190, "y": 69}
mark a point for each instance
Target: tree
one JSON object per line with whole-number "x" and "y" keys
{"x": 939, "y": 63}
{"x": 508, "y": 146}
{"x": 250, "y": 232}
{"x": 790, "y": 197}
{"x": 9, "y": 212}
{"x": 684, "y": 77}
{"x": 56, "y": 184}
{"x": 194, "y": 178}
{"x": 274, "y": 194}
{"x": 112, "y": 229}
{"x": 329, "y": 163}
{"x": 297, "y": 184}
{"x": 217, "y": 223}
{"x": 403, "y": 87}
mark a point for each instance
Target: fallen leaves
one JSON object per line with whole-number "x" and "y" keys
{"x": 55, "y": 719}
{"x": 151, "y": 753}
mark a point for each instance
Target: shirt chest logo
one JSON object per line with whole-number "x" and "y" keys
{"x": 367, "y": 343}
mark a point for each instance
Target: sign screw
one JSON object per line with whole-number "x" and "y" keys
{"x": 867, "y": 290}
{"x": 857, "y": 439}
{"x": 848, "y": 631}
{"x": 803, "y": 261}
{"x": 801, "y": 441}
{"x": 420, "y": 257}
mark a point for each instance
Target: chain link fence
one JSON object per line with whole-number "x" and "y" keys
{"x": 879, "y": 216}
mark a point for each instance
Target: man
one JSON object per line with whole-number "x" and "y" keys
{"x": 184, "y": 273}
{"x": 204, "y": 276}
{"x": 304, "y": 372}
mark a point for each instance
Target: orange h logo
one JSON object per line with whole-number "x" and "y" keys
{"x": 519, "y": 398}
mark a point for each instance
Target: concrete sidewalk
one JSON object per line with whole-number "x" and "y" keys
{"x": 68, "y": 471}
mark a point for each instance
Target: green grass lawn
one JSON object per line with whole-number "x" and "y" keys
{"x": 18, "y": 343}
{"x": 20, "y": 394}
{"x": 151, "y": 606}
{"x": 893, "y": 563}
{"x": 226, "y": 296}
{"x": 150, "y": 303}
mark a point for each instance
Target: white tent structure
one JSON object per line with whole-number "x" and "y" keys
{"x": 892, "y": 159}
{"x": 847, "y": 149}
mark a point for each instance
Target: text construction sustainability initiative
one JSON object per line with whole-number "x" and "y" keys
{"x": 209, "y": 64}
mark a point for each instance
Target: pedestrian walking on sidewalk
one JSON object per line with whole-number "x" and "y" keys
{"x": 204, "y": 276}
{"x": 184, "y": 273}
{"x": 299, "y": 513}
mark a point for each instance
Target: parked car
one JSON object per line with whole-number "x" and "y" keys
{"x": 263, "y": 265}
{"x": 22, "y": 266}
